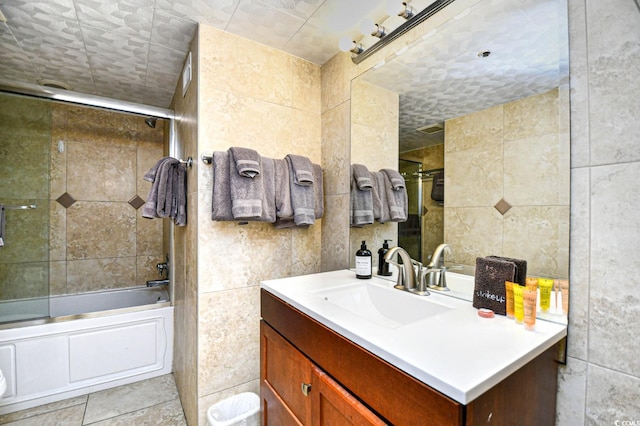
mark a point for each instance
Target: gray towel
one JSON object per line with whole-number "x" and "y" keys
{"x": 2, "y": 222}
{"x": 157, "y": 194}
{"x": 362, "y": 176}
{"x": 301, "y": 170}
{"x": 221, "y": 199}
{"x": 396, "y": 193}
{"x": 180, "y": 218}
{"x": 247, "y": 161}
{"x": 384, "y": 215}
{"x": 284, "y": 210}
{"x": 318, "y": 185}
{"x": 246, "y": 193}
{"x": 361, "y": 204}
{"x": 302, "y": 196}
{"x": 268, "y": 194}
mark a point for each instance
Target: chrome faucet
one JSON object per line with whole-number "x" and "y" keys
{"x": 162, "y": 268}
{"x": 406, "y": 275}
{"x": 436, "y": 271}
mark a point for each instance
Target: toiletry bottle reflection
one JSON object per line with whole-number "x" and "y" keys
{"x": 383, "y": 267}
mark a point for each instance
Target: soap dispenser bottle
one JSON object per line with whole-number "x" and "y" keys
{"x": 383, "y": 267}
{"x": 363, "y": 262}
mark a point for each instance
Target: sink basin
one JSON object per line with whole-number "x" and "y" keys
{"x": 385, "y": 306}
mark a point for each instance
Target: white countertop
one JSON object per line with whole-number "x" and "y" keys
{"x": 455, "y": 352}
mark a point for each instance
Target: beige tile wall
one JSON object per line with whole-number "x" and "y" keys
{"x": 252, "y": 96}
{"x": 496, "y": 154}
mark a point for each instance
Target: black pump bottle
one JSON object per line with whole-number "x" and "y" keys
{"x": 383, "y": 267}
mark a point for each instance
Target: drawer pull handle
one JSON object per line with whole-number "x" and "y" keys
{"x": 306, "y": 388}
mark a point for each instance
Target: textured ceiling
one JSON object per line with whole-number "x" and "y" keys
{"x": 133, "y": 50}
{"x": 442, "y": 76}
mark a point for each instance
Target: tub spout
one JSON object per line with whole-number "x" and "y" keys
{"x": 157, "y": 283}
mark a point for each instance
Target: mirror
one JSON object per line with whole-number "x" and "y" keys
{"x": 484, "y": 95}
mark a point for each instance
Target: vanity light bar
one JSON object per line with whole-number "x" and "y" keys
{"x": 411, "y": 23}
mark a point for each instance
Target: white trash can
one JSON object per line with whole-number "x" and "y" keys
{"x": 242, "y": 409}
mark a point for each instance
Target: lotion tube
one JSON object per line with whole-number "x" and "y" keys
{"x": 530, "y": 299}
{"x": 564, "y": 290}
{"x": 518, "y": 303}
{"x": 545, "y": 285}
{"x": 509, "y": 290}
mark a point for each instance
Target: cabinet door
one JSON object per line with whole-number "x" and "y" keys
{"x": 333, "y": 405}
{"x": 284, "y": 371}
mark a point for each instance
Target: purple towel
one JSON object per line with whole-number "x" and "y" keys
{"x": 489, "y": 290}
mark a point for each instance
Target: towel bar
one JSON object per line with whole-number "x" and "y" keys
{"x": 207, "y": 159}
{"x": 188, "y": 162}
{"x": 28, "y": 207}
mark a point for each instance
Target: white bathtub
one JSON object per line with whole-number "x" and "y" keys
{"x": 92, "y": 342}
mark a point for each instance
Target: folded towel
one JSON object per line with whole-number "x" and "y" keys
{"x": 362, "y": 176}
{"x": 437, "y": 187}
{"x": 2, "y": 222}
{"x": 489, "y": 290}
{"x": 383, "y": 216}
{"x": 246, "y": 193}
{"x": 301, "y": 170}
{"x": 283, "y": 191}
{"x": 247, "y": 161}
{"x": 520, "y": 275}
{"x": 396, "y": 194}
{"x": 302, "y": 196}
{"x": 221, "y": 198}
{"x": 361, "y": 205}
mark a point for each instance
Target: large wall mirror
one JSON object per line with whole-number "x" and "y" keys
{"x": 484, "y": 98}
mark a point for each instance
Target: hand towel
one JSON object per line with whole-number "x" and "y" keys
{"x": 361, "y": 205}
{"x": 489, "y": 289}
{"x": 283, "y": 191}
{"x": 302, "y": 196}
{"x": 437, "y": 187}
{"x": 268, "y": 193}
{"x": 247, "y": 161}
{"x": 221, "y": 198}
{"x": 158, "y": 174}
{"x": 301, "y": 169}
{"x": 246, "y": 193}
{"x": 520, "y": 275}
{"x": 168, "y": 178}
{"x": 383, "y": 216}
{"x": 2, "y": 222}
{"x": 396, "y": 194}
{"x": 362, "y": 176}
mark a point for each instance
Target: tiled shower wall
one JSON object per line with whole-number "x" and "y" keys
{"x": 98, "y": 238}
{"x": 517, "y": 152}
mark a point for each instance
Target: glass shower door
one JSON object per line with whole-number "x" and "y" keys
{"x": 25, "y": 140}
{"x": 410, "y": 232}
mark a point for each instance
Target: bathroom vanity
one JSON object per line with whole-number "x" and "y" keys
{"x": 336, "y": 350}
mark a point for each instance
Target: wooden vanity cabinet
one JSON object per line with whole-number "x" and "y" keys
{"x": 349, "y": 385}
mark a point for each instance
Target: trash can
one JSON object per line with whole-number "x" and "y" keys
{"x": 242, "y": 409}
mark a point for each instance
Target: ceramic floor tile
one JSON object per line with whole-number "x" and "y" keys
{"x": 129, "y": 398}
{"x": 70, "y": 416}
{"x": 43, "y": 409}
{"x": 165, "y": 414}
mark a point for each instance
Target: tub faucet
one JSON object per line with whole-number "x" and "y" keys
{"x": 158, "y": 283}
{"x": 406, "y": 274}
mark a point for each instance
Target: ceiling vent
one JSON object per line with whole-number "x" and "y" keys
{"x": 431, "y": 128}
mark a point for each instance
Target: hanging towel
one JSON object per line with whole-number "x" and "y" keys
{"x": 168, "y": 194}
{"x": 362, "y": 176}
{"x": 361, "y": 204}
{"x": 437, "y": 187}
{"x": 246, "y": 193}
{"x": 150, "y": 206}
{"x": 268, "y": 193}
{"x": 2, "y": 222}
{"x": 396, "y": 194}
{"x": 284, "y": 209}
{"x": 301, "y": 170}
{"x": 221, "y": 198}
{"x": 247, "y": 161}
{"x": 318, "y": 185}
{"x": 302, "y": 195}
{"x": 383, "y": 216}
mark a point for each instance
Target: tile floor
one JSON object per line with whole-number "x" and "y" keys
{"x": 149, "y": 402}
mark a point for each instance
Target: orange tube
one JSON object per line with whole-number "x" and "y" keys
{"x": 564, "y": 290}
{"x": 532, "y": 283}
{"x": 530, "y": 301}
{"x": 518, "y": 303}
{"x": 509, "y": 287}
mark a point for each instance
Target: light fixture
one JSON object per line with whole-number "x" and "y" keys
{"x": 403, "y": 9}
{"x": 346, "y": 44}
{"x": 368, "y": 27}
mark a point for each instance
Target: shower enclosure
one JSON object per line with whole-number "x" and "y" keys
{"x": 410, "y": 232}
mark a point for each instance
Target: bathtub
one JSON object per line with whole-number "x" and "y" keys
{"x": 92, "y": 341}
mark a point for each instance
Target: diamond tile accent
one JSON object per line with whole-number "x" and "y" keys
{"x": 136, "y": 202}
{"x": 66, "y": 200}
{"x": 502, "y": 206}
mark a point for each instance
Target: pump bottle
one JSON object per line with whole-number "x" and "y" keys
{"x": 383, "y": 267}
{"x": 363, "y": 262}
